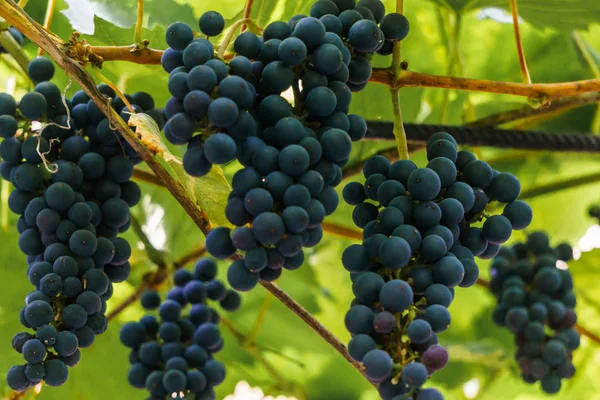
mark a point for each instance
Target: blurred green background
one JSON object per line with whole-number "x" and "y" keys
{"x": 467, "y": 38}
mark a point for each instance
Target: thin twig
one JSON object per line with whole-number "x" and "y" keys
{"x": 543, "y": 91}
{"x": 48, "y": 20}
{"x": 189, "y": 257}
{"x": 522, "y": 62}
{"x": 341, "y": 231}
{"x": 131, "y": 299}
{"x": 146, "y": 176}
{"x": 528, "y": 113}
{"x": 561, "y": 185}
{"x": 8, "y": 43}
{"x": 229, "y": 35}
{"x": 247, "y": 11}
{"x": 312, "y": 322}
{"x": 396, "y": 69}
{"x": 115, "y": 88}
{"x": 139, "y": 24}
{"x": 260, "y": 318}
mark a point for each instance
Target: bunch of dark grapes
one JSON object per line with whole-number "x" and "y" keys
{"x": 173, "y": 356}
{"x": 291, "y": 154}
{"x": 419, "y": 244}
{"x": 18, "y": 36}
{"x": 536, "y": 303}
{"x": 73, "y": 193}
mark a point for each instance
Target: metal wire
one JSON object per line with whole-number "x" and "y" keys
{"x": 533, "y": 140}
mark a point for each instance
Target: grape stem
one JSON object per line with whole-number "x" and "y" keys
{"x": 115, "y": 88}
{"x": 396, "y": 69}
{"x": 27, "y": 26}
{"x": 230, "y": 34}
{"x": 8, "y": 43}
{"x": 523, "y": 63}
{"x": 139, "y": 24}
{"x": 47, "y": 20}
{"x": 247, "y": 11}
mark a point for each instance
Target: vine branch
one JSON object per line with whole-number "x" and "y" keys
{"x": 545, "y": 91}
{"x": 528, "y": 113}
{"x": 522, "y": 62}
{"x": 56, "y": 49}
{"x": 383, "y": 76}
{"x": 146, "y": 55}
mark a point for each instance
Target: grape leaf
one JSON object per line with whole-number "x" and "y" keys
{"x": 123, "y": 13}
{"x": 559, "y": 14}
{"x": 109, "y": 34}
{"x": 210, "y": 191}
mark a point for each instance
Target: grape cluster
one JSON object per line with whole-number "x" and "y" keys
{"x": 175, "y": 354}
{"x": 291, "y": 155}
{"x": 229, "y": 102}
{"x": 73, "y": 193}
{"x": 536, "y": 303}
{"x": 419, "y": 244}
{"x": 18, "y": 36}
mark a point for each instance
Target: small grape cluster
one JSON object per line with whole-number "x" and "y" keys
{"x": 73, "y": 193}
{"x": 173, "y": 357}
{"x": 292, "y": 155}
{"x": 418, "y": 246}
{"x": 533, "y": 293}
{"x": 18, "y": 36}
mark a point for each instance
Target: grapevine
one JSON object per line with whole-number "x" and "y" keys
{"x": 275, "y": 100}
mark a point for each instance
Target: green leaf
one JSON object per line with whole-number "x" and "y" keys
{"x": 559, "y": 14}
{"x": 209, "y": 191}
{"x": 108, "y": 34}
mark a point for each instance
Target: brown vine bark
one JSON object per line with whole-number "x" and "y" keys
{"x": 543, "y": 91}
